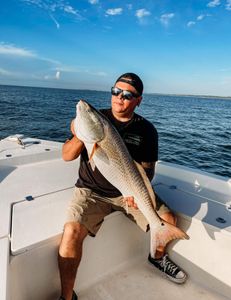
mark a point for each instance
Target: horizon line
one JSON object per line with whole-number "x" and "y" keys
{"x": 146, "y": 93}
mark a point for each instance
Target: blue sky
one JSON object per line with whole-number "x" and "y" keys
{"x": 177, "y": 47}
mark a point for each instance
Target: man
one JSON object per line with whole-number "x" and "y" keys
{"x": 95, "y": 197}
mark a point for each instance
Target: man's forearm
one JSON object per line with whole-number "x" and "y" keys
{"x": 72, "y": 149}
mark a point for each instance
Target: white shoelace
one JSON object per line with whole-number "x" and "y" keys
{"x": 168, "y": 265}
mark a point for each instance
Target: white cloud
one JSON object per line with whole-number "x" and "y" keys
{"x": 55, "y": 6}
{"x": 67, "y": 69}
{"x": 191, "y": 23}
{"x": 5, "y": 72}
{"x": 228, "y": 5}
{"x": 141, "y": 13}
{"x": 55, "y": 21}
{"x": 19, "y": 59}
{"x": 200, "y": 17}
{"x": 79, "y": 69}
{"x": 70, "y": 10}
{"x": 165, "y": 18}
{"x": 93, "y": 1}
{"x": 17, "y": 62}
{"x": 12, "y": 50}
{"x": 100, "y": 73}
{"x": 50, "y": 76}
{"x": 35, "y": 2}
{"x": 13, "y": 73}
{"x": 57, "y": 75}
{"x": 114, "y": 11}
{"x": 214, "y": 3}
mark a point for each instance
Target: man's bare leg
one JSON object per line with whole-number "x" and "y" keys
{"x": 70, "y": 253}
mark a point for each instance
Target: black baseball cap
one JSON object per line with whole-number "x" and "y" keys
{"x": 133, "y": 80}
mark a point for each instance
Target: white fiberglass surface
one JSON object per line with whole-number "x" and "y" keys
{"x": 142, "y": 281}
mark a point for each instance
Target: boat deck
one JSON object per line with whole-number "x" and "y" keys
{"x": 141, "y": 281}
{"x": 36, "y": 186}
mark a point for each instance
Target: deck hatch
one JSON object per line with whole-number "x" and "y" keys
{"x": 34, "y": 222}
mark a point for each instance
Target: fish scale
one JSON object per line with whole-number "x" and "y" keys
{"x": 124, "y": 166}
{"x": 110, "y": 155}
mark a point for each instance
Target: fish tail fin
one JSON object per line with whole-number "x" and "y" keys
{"x": 163, "y": 234}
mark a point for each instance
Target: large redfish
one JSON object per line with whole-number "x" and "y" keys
{"x": 109, "y": 154}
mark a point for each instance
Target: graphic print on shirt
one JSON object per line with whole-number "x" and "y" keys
{"x": 134, "y": 139}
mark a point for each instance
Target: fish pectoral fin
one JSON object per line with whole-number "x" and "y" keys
{"x": 163, "y": 234}
{"x": 101, "y": 154}
{"x": 94, "y": 148}
{"x": 147, "y": 183}
{"x": 92, "y": 163}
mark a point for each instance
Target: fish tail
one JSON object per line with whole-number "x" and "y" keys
{"x": 163, "y": 234}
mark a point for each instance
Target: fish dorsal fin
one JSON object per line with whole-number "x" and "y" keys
{"x": 146, "y": 182}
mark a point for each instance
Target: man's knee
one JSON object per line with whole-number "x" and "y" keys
{"x": 74, "y": 231}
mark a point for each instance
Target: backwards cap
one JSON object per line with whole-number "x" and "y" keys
{"x": 134, "y": 80}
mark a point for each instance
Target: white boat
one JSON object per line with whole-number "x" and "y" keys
{"x": 36, "y": 186}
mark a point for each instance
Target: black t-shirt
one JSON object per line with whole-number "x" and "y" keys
{"x": 141, "y": 139}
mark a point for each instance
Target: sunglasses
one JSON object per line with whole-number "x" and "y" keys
{"x": 127, "y": 95}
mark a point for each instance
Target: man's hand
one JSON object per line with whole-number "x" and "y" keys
{"x": 130, "y": 202}
{"x": 73, "y": 147}
{"x": 72, "y": 127}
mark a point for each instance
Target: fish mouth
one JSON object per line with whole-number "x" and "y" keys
{"x": 82, "y": 105}
{"x": 85, "y": 104}
{"x": 93, "y": 128}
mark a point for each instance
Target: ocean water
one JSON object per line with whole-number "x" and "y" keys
{"x": 193, "y": 131}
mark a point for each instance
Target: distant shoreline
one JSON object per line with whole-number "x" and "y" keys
{"x": 92, "y": 90}
{"x": 192, "y": 95}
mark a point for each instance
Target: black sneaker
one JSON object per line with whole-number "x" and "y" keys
{"x": 74, "y": 297}
{"x": 169, "y": 268}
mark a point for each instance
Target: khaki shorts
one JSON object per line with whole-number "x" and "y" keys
{"x": 90, "y": 209}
